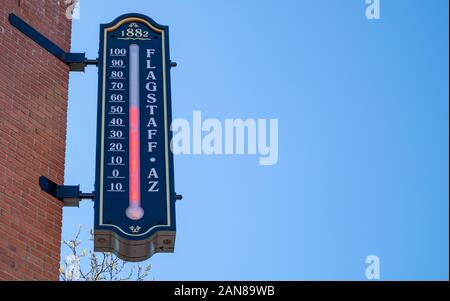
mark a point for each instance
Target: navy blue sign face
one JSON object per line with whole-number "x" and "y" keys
{"x": 135, "y": 198}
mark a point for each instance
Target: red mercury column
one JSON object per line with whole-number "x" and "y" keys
{"x": 134, "y": 211}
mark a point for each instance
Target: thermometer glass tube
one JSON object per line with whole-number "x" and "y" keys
{"x": 134, "y": 211}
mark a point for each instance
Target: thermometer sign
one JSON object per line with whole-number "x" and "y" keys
{"x": 135, "y": 198}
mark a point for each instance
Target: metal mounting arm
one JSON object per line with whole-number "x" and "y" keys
{"x": 76, "y": 61}
{"x": 69, "y": 195}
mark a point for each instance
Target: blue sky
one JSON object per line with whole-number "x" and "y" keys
{"x": 363, "y": 137}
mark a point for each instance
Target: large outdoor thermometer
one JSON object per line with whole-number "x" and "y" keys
{"x": 134, "y": 193}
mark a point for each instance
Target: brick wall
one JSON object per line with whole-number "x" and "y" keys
{"x": 33, "y": 107}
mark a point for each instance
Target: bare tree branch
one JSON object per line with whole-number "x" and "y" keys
{"x": 106, "y": 268}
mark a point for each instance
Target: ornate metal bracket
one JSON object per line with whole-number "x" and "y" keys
{"x": 69, "y": 195}
{"x": 76, "y": 61}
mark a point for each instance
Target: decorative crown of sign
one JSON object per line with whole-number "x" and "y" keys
{"x": 133, "y": 25}
{"x": 135, "y": 229}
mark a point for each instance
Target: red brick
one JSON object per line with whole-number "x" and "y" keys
{"x": 33, "y": 109}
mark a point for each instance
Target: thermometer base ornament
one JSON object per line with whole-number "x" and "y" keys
{"x": 134, "y": 251}
{"x": 134, "y": 195}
